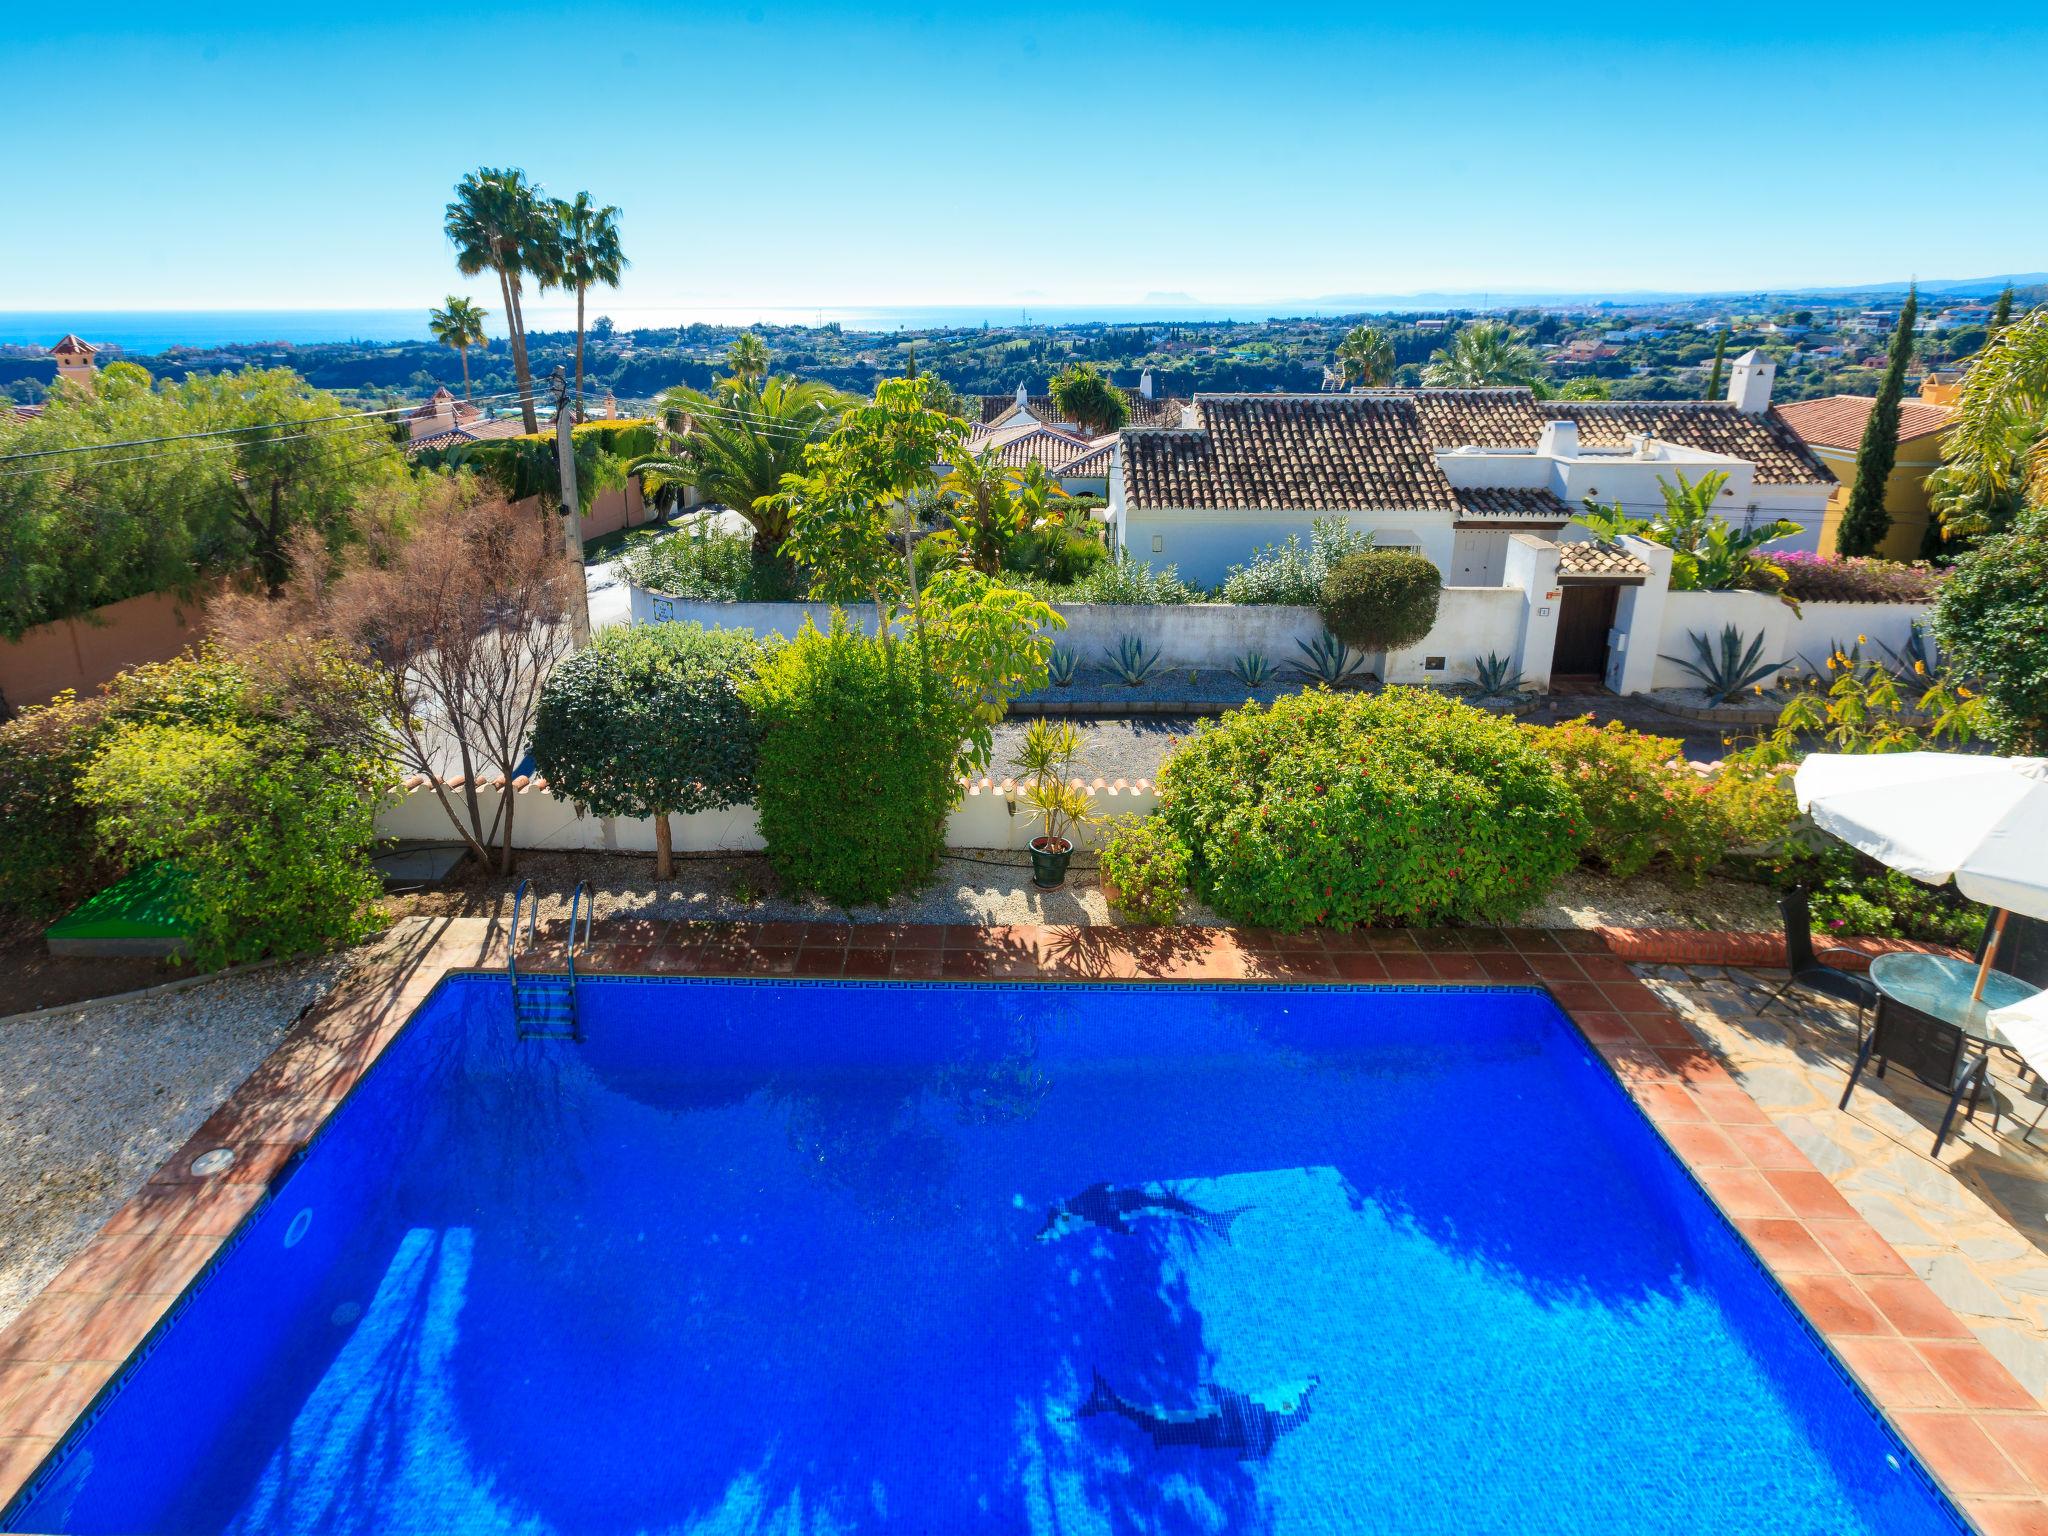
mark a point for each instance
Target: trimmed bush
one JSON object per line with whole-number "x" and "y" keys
{"x": 1813, "y": 578}
{"x": 1381, "y": 600}
{"x": 272, "y": 830}
{"x": 1643, "y": 804}
{"x": 1403, "y": 807}
{"x": 647, "y": 720}
{"x": 856, "y": 774}
{"x": 1148, "y": 864}
{"x": 50, "y": 856}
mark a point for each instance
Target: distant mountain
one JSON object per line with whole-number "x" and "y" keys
{"x": 1497, "y": 298}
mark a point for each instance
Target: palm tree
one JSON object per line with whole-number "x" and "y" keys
{"x": 739, "y": 444}
{"x": 1482, "y": 354}
{"x": 587, "y": 240}
{"x": 1995, "y": 457}
{"x": 498, "y": 225}
{"x": 458, "y": 327}
{"x": 746, "y": 361}
{"x": 1366, "y": 355}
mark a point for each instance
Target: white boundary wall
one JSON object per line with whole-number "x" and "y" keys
{"x": 1800, "y": 637}
{"x": 1471, "y": 621}
{"x": 991, "y": 814}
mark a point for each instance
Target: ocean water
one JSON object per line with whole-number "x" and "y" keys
{"x": 831, "y": 1257}
{"x": 150, "y": 331}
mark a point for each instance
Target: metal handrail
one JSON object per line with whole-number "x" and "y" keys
{"x": 512, "y": 939}
{"x": 576, "y": 908}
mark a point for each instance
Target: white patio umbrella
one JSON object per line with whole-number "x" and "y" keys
{"x": 1939, "y": 816}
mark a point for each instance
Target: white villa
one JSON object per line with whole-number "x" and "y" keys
{"x": 1450, "y": 473}
{"x": 1025, "y": 429}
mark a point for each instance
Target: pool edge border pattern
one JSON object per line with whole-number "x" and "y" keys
{"x": 1967, "y": 1421}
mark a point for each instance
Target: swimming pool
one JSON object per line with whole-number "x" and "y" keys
{"x": 828, "y": 1256}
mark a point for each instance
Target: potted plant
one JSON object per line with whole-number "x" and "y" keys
{"x": 1046, "y": 762}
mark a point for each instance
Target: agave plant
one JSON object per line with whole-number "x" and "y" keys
{"x": 1252, "y": 669}
{"x": 1731, "y": 669}
{"x": 1131, "y": 662}
{"x": 1330, "y": 660}
{"x": 1060, "y": 666}
{"x": 1916, "y": 658}
{"x": 1496, "y": 677}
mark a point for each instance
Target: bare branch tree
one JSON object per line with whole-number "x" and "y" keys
{"x": 464, "y": 619}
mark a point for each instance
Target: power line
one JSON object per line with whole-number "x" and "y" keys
{"x": 259, "y": 426}
{"x": 138, "y": 458}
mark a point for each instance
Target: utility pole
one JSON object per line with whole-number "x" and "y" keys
{"x": 572, "y": 515}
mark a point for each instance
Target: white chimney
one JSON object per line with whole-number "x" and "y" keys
{"x": 1749, "y": 385}
{"x": 1145, "y": 384}
{"x": 1023, "y": 395}
{"x": 1558, "y": 440}
{"x": 1189, "y": 421}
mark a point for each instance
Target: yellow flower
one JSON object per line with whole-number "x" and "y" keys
{"x": 1863, "y": 640}
{"x": 1962, "y": 693}
{"x": 1920, "y": 667}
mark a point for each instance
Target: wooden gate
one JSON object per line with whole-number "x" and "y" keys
{"x": 1584, "y": 616}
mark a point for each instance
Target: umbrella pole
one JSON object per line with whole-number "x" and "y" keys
{"x": 1990, "y": 954}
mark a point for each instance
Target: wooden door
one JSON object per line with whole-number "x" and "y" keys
{"x": 1584, "y": 616}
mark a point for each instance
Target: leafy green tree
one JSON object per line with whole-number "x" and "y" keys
{"x": 499, "y": 222}
{"x": 1083, "y": 396}
{"x": 1865, "y": 521}
{"x": 458, "y": 327}
{"x": 742, "y": 444}
{"x": 985, "y": 503}
{"x": 1587, "y": 387}
{"x": 587, "y": 254}
{"x": 647, "y": 720}
{"x": 2001, "y": 315}
{"x": 868, "y": 475}
{"x": 1992, "y": 618}
{"x": 1366, "y": 356}
{"x": 1482, "y": 354}
{"x": 1714, "y": 378}
{"x": 1995, "y": 456}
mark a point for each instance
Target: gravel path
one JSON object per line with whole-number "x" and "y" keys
{"x": 1112, "y": 749}
{"x": 93, "y": 1100}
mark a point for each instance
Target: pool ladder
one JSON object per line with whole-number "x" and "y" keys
{"x": 544, "y": 1005}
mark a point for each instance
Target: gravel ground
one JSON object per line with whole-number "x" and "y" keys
{"x": 1111, "y": 749}
{"x": 93, "y": 1100}
{"x": 996, "y": 888}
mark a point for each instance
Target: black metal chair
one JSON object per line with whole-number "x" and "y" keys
{"x": 1933, "y": 1050}
{"x": 1811, "y": 972}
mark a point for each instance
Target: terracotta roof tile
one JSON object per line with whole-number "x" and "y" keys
{"x": 1320, "y": 453}
{"x": 471, "y": 432}
{"x": 1037, "y": 445}
{"x": 1591, "y": 557}
{"x": 1837, "y": 421}
{"x": 69, "y": 345}
{"x": 1500, "y": 504}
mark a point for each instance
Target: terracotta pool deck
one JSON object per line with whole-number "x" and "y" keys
{"x": 1971, "y": 1422}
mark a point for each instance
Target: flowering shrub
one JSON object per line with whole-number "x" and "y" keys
{"x": 1148, "y": 865}
{"x": 1812, "y": 578}
{"x": 1643, "y": 803}
{"x": 1400, "y": 807}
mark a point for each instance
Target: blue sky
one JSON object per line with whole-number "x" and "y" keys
{"x": 795, "y": 154}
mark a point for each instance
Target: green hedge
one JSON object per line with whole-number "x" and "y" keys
{"x": 1402, "y": 807}
{"x": 858, "y": 745}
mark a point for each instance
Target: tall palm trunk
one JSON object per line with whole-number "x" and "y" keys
{"x": 465, "y": 375}
{"x": 515, "y": 324}
{"x": 580, "y": 291}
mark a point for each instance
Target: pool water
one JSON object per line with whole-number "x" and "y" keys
{"x": 841, "y": 1257}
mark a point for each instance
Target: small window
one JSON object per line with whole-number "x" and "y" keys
{"x": 1158, "y": 543}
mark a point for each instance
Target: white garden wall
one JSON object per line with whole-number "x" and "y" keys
{"x": 1801, "y": 637}
{"x": 1471, "y": 621}
{"x": 1818, "y": 626}
{"x": 990, "y": 815}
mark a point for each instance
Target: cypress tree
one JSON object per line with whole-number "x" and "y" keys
{"x": 2001, "y": 315}
{"x": 1865, "y": 521}
{"x": 1714, "y": 379}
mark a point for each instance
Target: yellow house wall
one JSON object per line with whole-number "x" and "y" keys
{"x": 1905, "y": 495}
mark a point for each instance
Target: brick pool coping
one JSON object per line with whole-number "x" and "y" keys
{"x": 1968, "y": 1420}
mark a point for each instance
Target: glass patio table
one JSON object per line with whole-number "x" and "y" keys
{"x": 1940, "y": 985}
